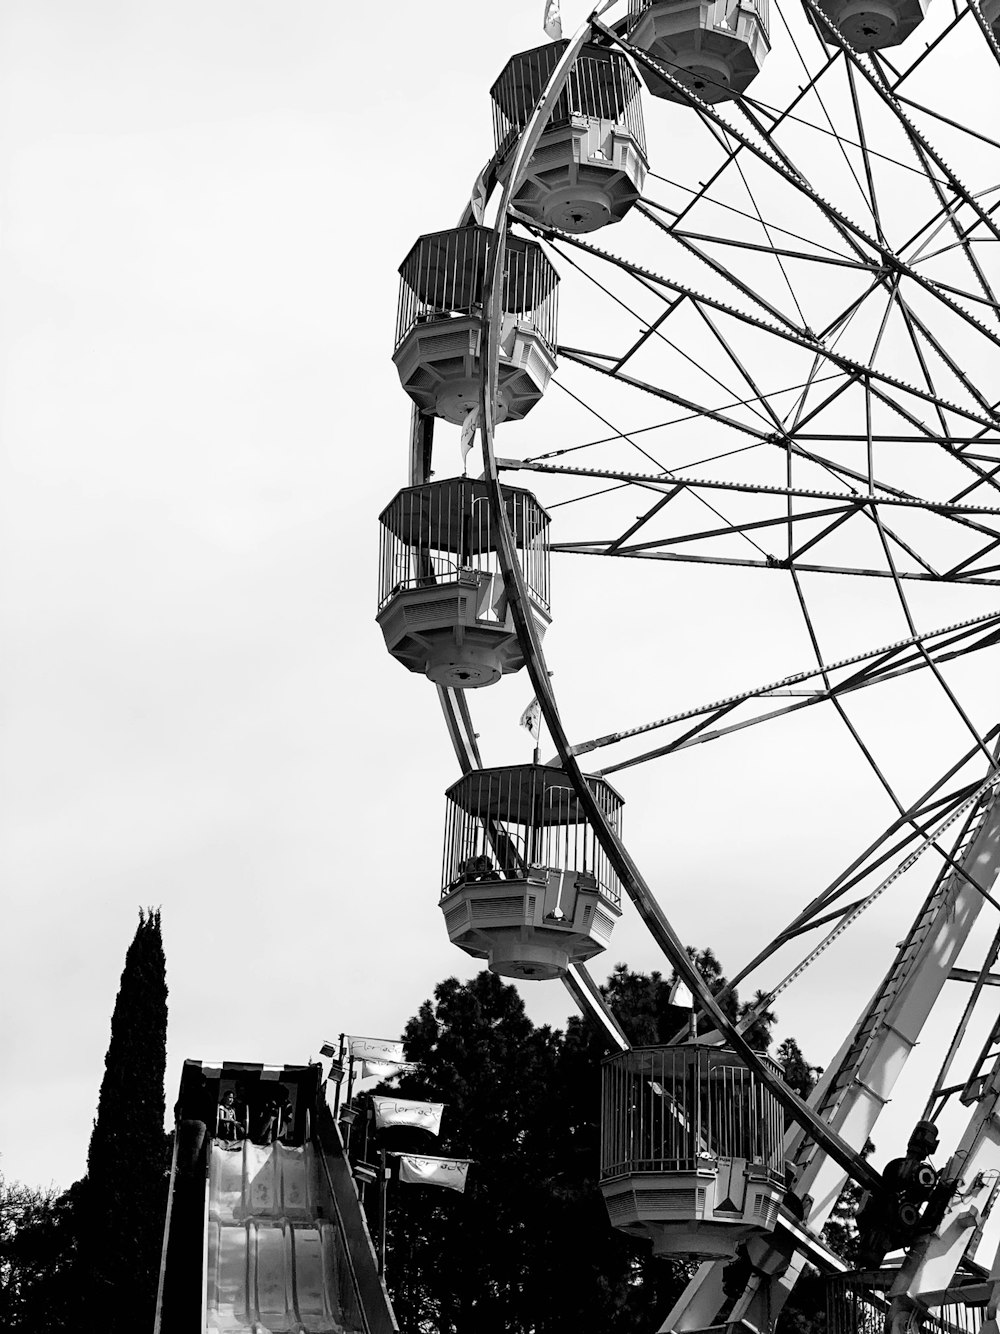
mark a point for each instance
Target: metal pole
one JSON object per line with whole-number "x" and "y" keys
{"x": 368, "y": 1114}
{"x": 383, "y": 1192}
{"x": 350, "y": 1078}
{"x": 336, "y": 1093}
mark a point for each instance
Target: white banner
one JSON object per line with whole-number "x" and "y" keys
{"x": 400, "y": 1112}
{"x": 468, "y": 434}
{"x": 552, "y": 22}
{"x": 450, "y": 1172}
{"x": 377, "y": 1049}
{"x": 384, "y": 1069}
{"x": 531, "y": 718}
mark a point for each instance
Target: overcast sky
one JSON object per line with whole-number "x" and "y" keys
{"x": 203, "y": 209}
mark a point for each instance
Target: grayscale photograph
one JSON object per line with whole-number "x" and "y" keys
{"x": 500, "y": 674}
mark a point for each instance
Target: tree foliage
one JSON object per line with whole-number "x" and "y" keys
{"x": 528, "y": 1249}
{"x": 124, "y": 1195}
{"x": 641, "y": 1002}
{"x": 89, "y": 1258}
{"x": 796, "y": 1071}
{"x": 841, "y": 1230}
{"x": 38, "y": 1230}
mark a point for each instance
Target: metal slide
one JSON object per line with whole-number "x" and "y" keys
{"x": 270, "y": 1238}
{"x": 274, "y": 1261}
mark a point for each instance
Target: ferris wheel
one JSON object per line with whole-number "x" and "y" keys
{"x": 749, "y": 255}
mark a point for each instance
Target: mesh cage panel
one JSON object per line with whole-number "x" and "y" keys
{"x": 500, "y": 823}
{"x": 445, "y": 274}
{"x": 601, "y": 86}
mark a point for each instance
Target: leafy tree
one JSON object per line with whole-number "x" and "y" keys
{"x": 758, "y": 1033}
{"x": 617, "y": 1284}
{"x": 124, "y": 1195}
{"x": 37, "y": 1251}
{"x": 641, "y": 1002}
{"x": 524, "y": 1104}
{"x": 462, "y": 1263}
{"x": 796, "y": 1071}
{"x": 841, "y": 1230}
{"x": 528, "y": 1248}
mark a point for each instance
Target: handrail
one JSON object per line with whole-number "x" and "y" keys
{"x": 369, "y": 1288}
{"x": 206, "y": 1218}
{"x": 166, "y": 1237}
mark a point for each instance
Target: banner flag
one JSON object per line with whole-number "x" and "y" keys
{"x": 531, "y": 718}
{"x": 449, "y": 1172}
{"x": 377, "y": 1049}
{"x": 468, "y": 434}
{"x": 401, "y": 1112}
{"x": 384, "y": 1069}
{"x": 552, "y": 23}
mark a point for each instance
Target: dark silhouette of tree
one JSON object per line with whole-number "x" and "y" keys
{"x": 841, "y": 1230}
{"x": 124, "y": 1194}
{"x": 758, "y": 1032}
{"x": 641, "y": 1003}
{"x": 460, "y": 1263}
{"x": 796, "y": 1071}
{"x": 528, "y": 1249}
{"x": 38, "y": 1230}
{"x": 615, "y": 1284}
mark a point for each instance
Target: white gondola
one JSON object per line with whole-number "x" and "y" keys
{"x": 690, "y": 1149}
{"x": 526, "y": 885}
{"x": 440, "y": 323}
{"x": 714, "y": 47}
{"x": 590, "y": 164}
{"x": 442, "y": 605}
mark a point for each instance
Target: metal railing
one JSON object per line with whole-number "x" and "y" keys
{"x": 859, "y": 1303}
{"x": 601, "y": 86}
{"x": 364, "y": 1300}
{"x": 442, "y": 533}
{"x": 444, "y": 277}
{"x": 501, "y": 822}
{"x": 725, "y": 13}
{"x": 675, "y": 1109}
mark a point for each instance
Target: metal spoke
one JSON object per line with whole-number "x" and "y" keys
{"x": 656, "y": 481}
{"x": 881, "y": 658}
{"x": 801, "y": 338}
{"x": 599, "y": 548}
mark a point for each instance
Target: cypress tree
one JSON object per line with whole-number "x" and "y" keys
{"x": 126, "y": 1164}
